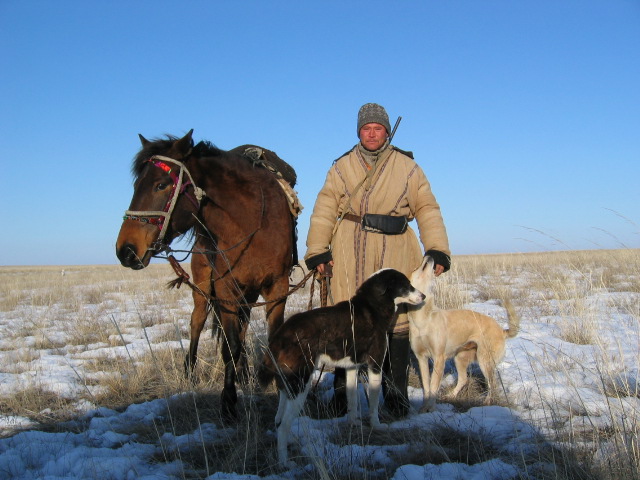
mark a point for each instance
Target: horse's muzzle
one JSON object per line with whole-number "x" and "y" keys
{"x": 129, "y": 257}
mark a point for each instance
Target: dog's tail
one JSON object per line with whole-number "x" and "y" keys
{"x": 513, "y": 319}
{"x": 266, "y": 371}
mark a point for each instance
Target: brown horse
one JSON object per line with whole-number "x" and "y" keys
{"x": 244, "y": 236}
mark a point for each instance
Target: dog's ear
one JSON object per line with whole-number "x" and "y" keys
{"x": 427, "y": 262}
{"x": 380, "y": 289}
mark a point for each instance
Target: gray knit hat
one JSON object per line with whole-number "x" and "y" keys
{"x": 373, "y": 113}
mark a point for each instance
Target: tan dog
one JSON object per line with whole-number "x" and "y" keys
{"x": 465, "y": 335}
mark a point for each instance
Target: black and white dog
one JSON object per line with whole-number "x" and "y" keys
{"x": 346, "y": 335}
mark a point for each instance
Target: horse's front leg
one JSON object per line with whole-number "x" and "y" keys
{"x": 231, "y": 351}
{"x": 201, "y": 271}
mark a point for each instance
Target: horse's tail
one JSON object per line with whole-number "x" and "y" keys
{"x": 266, "y": 371}
{"x": 213, "y": 309}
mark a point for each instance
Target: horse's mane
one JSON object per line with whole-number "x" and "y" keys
{"x": 204, "y": 148}
{"x": 160, "y": 146}
{"x": 157, "y": 146}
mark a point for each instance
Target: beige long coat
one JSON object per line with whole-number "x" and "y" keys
{"x": 398, "y": 187}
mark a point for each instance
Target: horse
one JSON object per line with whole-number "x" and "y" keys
{"x": 244, "y": 233}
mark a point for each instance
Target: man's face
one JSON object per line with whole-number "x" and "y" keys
{"x": 373, "y": 136}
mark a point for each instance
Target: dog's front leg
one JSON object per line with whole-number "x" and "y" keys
{"x": 436, "y": 377}
{"x": 428, "y": 400}
{"x": 282, "y": 405}
{"x": 375, "y": 384}
{"x": 352, "y": 395}
{"x": 290, "y": 410}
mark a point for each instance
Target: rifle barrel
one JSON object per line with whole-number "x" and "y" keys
{"x": 395, "y": 127}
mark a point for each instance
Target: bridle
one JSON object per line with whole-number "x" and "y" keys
{"x": 161, "y": 218}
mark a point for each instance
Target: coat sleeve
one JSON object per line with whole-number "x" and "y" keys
{"x": 426, "y": 210}
{"x": 323, "y": 219}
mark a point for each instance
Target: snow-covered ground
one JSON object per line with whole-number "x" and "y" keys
{"x": 569, "y": 379}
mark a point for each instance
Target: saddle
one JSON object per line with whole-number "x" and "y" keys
{"x": 286, "y": 177}
{"x": 284, "y": 173}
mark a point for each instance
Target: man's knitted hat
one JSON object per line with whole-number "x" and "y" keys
{"x": 373, "y": 113}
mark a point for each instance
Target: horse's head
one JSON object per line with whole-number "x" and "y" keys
{"x": 158, "y": 212}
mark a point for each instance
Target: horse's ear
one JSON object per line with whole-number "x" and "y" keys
{"x": 144, "y": 141}
{"x": 185, "y": 143}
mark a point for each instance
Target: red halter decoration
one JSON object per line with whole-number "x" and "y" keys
{"x": 161, "y": 218}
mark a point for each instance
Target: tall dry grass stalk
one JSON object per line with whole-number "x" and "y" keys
{"x": 93, "y": 316}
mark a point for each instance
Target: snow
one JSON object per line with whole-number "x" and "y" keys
{"x": 555, "y": 391}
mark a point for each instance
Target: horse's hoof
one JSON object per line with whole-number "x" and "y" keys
{"x": 228, "y": 410}
{"x": 229, "y": 418}
{"x": 189, "y": 366}
{"x": 190, "y": 376}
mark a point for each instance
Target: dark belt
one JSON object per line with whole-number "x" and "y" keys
{"x": 387, "y": 224}
{"x": 353, "y": 218}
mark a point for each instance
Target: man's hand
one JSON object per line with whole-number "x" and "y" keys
{"x": 325, "y": 269}
{"x": 441, "y": 261}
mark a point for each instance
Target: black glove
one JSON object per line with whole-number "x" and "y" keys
{"x": 313, "y": 262}
{"x": 440, "y": 258}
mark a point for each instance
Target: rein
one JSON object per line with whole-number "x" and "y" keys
{"x": 184, "y": 278}
{"x": 161, "y": 218}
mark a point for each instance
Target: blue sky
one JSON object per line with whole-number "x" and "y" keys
{"x": 525, "y": 116}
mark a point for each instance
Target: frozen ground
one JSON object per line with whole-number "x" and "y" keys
{"x": 569, "y": 375}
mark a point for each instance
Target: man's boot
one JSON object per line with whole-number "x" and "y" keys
{"x": 395, "y": 380}
{"x": 338, "y": 404}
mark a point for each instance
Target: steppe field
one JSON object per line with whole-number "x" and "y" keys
{"x": 92, "y": 382}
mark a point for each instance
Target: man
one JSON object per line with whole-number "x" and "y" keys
{"x": 348, "y": 243}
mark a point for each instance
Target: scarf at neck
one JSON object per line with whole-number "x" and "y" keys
{"x": 372, "y": 157}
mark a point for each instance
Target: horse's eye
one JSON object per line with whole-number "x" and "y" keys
{"x": 161, "y": 186}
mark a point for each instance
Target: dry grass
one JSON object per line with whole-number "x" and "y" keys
{"x": 91, "y": 309}
{"x": 39, "y": 405}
